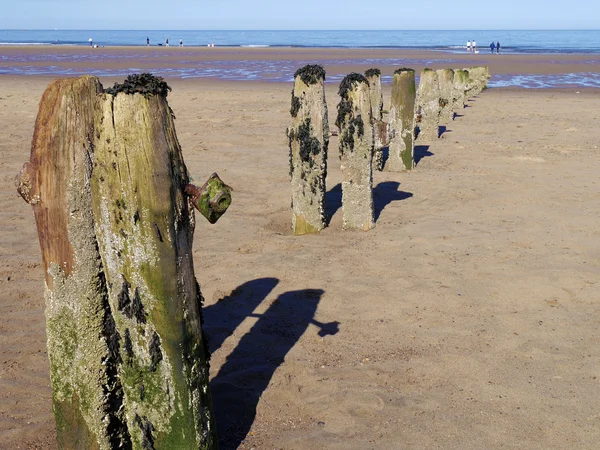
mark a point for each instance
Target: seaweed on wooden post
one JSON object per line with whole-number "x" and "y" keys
{"x": 446, "y": 87}
{"x": 355, "y": 122}
{"x": 428, "y": 106}
{"x": 308, "y": 138}
{"x": 373, "y": 76}
{"x": 402, "y": 121}
{"x": 106, "y": 177}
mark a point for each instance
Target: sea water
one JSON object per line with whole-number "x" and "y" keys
{"x": 512, "y": 41}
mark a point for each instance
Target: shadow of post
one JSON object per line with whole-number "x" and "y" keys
{"x": 237, "y": 388}
{"x": 385, "y": 193}
{"x": 222, "y": 318}
{"x": 333, "y": 201}
{"x": 420, "y": 152}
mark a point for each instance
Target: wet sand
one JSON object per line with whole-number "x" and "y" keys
{"x": 277, "y": 64}
{"x": 468, "y": 318}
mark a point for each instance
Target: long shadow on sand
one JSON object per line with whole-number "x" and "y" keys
{"x": 385, "y": 193}
{"x": 237, "y": 388}
{"x": 222, "y": 318}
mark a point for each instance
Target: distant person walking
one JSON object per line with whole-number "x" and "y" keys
{"x": 90, "y": 40}
{"x": 181, "y": 42}
{"x": 468, "y": 46}
{"x": 474, "y": 45}
{"x": 167, "y": 42}
{"x": 147, "y": 42}
{"x": 492, "y": 47}
{"x": 497, "y": 47}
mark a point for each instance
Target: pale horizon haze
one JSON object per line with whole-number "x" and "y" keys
{"x": 303, "y": 15}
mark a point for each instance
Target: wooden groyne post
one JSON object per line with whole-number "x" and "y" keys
{"x": 356, "y": 141}
{"x": 428, "y": 106}
{"x": 373, "y": 76}
{"x": 106, "y": 180}
{"x": 446, "y": 88}
{"x": 308, "y": 138}
{"x": 402, "y": 121}
{"x": 477, "y": 82}
{"x": 460, "y": 85}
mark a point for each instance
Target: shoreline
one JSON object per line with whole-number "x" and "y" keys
{"x": 278, "y": 64}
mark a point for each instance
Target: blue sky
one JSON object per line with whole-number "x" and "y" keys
{"x": 300, "y": 14}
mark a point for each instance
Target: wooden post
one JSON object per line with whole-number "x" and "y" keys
{"x": 478, "y": 77}
{"x": 477, "y": 80}
{"x": 356, "y": 152}
{"x": 402, "y": 121}
{"x": 428, "y": 106}
{"x": 460, "y": 83}
{"x": 106, "y": 181}
{"x": 308, "y": 141}
{"x": 373, "y": 76}
{"x": 446, "y": 87}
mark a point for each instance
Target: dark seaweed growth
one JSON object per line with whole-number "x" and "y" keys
{"x": 145, "y": 84}
{"x": 155, "y": 352}
{"x": 128, "y": 345}
{"x": 130, "y": 308}
{"x": 146, "y": 428}
{"x": 345, "y": 107}
{"x": 348, "y": 83}
{"x": 290, "y": 135}
{"x": 372, "y": 73}
{"x": 116, "y": 430}
{"x": 309, "y": 145}
{"x": 137, "y": 308}
{"x": 295, "y": 105}
{"x": 123, "y": 299}
{"x": 310, "y": 74}
{"x": 403, "y": 69}
{"x": 355, "y": 125}
{"x": 205, "y": 342}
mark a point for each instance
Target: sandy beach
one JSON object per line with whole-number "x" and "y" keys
{"x": 468, "y": 318}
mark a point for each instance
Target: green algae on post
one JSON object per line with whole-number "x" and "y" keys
{"x": 212, "y": 199}
{"x": 402, "y": 121}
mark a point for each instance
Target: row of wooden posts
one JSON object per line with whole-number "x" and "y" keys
{"x": 113, "y": 205}
{"x": 413, "y": 114}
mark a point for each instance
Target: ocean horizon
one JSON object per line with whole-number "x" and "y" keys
{"x": 451, "y": 41}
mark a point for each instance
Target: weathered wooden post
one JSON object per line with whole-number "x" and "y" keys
{"x": 446, "y": 86}
{"x": 355, "y": 122}
{"x": 308, "y": 141}
{"x": 477, "y": 82}
{"x": 106, "y": 179}
{"x": 460, "y": 84}
{"x": 402, "y": 121}
{"x": 373, "y": 76}
{"x": 428, "y": 106}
